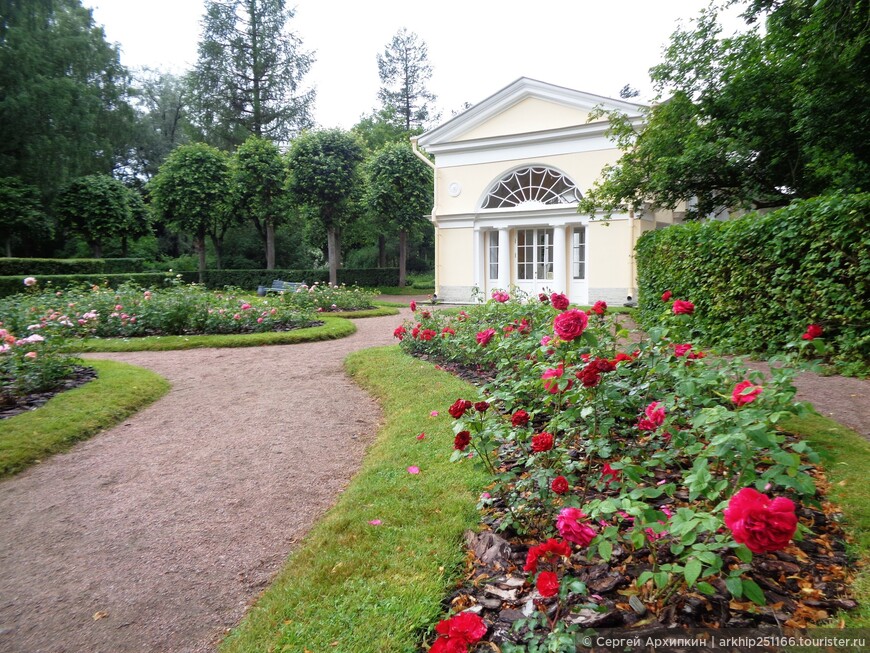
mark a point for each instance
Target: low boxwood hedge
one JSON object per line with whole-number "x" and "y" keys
{"x": 31, "y": 267}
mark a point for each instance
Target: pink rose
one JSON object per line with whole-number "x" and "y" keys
{"x": 500, "y": 296}
{"x": 570, "y": 324}
{"x": 572, "y": 529}
{"x": 682, "y": 307}
{"x": 30, "y": 281}
{"x": 31, "y": 355}
{"x": 551, "y": 378}
{"x": 483, "y": 337}
{"x": 413, "y": 306}
{"x": 745, "y": 392}
{"x": 761, "y": 523}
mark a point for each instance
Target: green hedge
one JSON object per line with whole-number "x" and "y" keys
{"x": 759, "y": 280}
{"x": 12, "y": 285}
{"x": 31, "y": 267}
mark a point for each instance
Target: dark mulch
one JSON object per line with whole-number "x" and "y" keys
{"x": 806, "y": 583}
{"x": 11, "y": 406}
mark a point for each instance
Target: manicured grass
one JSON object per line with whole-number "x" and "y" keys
{"x": 332, "y": 328}
{"x": 359, "y": 588}
{"x": 383, "y": 309}
{"x": 405, "y": 290}
{"x": 119, "y": 391}
{"x": 846, "y": 459}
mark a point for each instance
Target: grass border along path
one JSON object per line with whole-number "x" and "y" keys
{"x": 357, "y": 587}
{"x": 332, "y": 328}
{"x": 118, "y": 391}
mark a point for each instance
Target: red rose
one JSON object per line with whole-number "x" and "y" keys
{"x": 415, "y": 331}
{"x": 611, "y": 474}
{"x": 559, "y": 485}
{"x": 544, "y": 299}
{"x": 399, "y": 332}
{"x": 761, "y": 523}
{"x": 458, "y": 632}
{"x": 666, "y": 295}
{"x": 589, "y": 376}
{"x": 600, "y": 308}
{"x": 542, "y": 442}
{"x": 622, "y": 358}
{"x": 559, "y": 301}
{"x": 681, "y": 350}
{"x": 462, "y": 440}
{"x": 547, "y": 584}
{"x": 483, "y": 337}
{"x": 481, "y": 406}
{"x": 447, "y": 331}
{"x": 813, "y": 331}
{"x": 520, "y": 418}
{"x": 570, "y": 324}
{"x": 458, "y": 408}
{"x": 427, "y": 334}
{"x": 682, "y": 307}
{"x": 745, "y": 392}
{"x": 547, "y": 551}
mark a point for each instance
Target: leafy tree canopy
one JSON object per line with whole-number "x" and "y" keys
{"x": 755, "y": 119}
{"x": 63, "y": 95}
{"x": 20, "y": 212}
{"x": 249, "y": 75}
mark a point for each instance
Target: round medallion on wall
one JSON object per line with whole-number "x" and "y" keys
{"x": 454, "y": 189}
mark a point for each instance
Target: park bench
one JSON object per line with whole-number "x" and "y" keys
{"x": 279, "y": 286}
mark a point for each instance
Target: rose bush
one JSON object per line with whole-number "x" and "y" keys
{"x": 639, "y": 458}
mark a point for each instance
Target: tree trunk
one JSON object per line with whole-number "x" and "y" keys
{"x": 124, "y": 248}
{"x": 9, "y": 247}
{"x": 96, "y": 250}
{"x": 382, "y": 251}
{"x": 218, "y": 244}
{"x": 403, "y": 256}
{"x": 199, "y": 245}
{"x": 270, "y": 245}
{"x": 332, "y": 244}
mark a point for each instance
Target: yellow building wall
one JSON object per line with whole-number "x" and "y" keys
{"x": 455, "y": 265}
{"x": 609, "y": 247}
{"x": 528, "y": 115}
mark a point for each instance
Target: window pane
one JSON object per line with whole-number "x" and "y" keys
{"x": 578, "y": 253}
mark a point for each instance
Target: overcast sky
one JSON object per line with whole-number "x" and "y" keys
{"x": 476, "y": 47}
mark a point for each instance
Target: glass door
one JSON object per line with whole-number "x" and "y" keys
{"x": 534, "y": 259}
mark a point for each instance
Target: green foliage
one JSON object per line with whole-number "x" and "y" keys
{"x": 98, "y": 208}
{"x": 20, "y": 212}
{"x": 404, "y": 70}
{"x": 259, "y": 178}
{"x": 31, "y": 360}
{"x": 248, "y": 78}
{"x": 752, "y": 120}
{"x": 190, "y": 193}
{"x": 52, "y": 266}
{"x": 63, "y": 106}
{"x": 325, "y": 178}
{"x": 758, "y": 281}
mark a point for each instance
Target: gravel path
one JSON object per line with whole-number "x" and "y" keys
{"x": 156, "y": 535}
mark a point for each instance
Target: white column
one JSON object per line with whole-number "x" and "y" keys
{"x": 504, "y": 258}
{"x": 560, "y": 264}
{"x": 477, "y": 259}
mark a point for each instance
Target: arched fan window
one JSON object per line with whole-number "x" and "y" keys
{"x": 532, "y": 185}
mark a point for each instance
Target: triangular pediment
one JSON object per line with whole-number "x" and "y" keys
{"x": 526, "y": 106}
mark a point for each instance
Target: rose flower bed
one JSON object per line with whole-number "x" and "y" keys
{"x": 638, "y": 485}
{"x": 130, "y": 311}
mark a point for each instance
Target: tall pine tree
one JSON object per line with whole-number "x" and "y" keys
{"x": 249, "y": 75}
{"x": 404, "y": 70}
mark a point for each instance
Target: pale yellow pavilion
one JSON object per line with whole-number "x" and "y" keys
{"x": 508, "y": 174}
